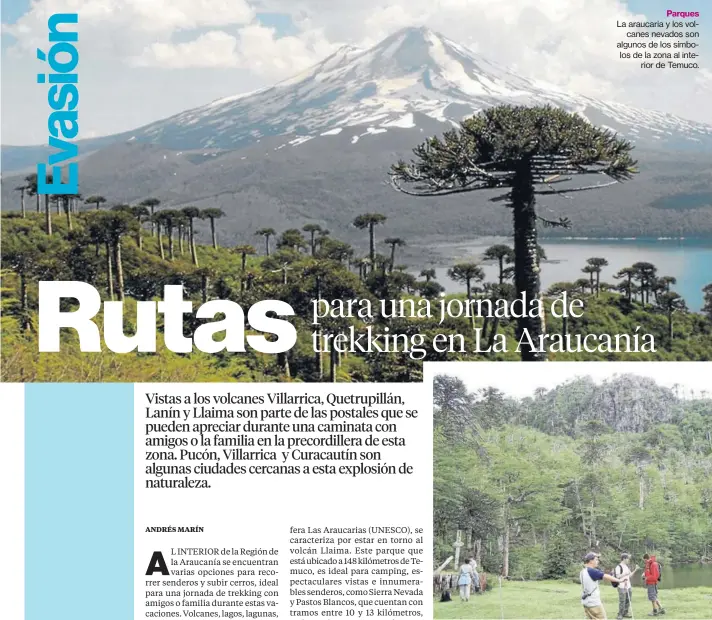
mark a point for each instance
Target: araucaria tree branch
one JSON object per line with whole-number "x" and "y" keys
{"x": 522, "y": 150}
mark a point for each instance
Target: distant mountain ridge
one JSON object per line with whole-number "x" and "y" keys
{"x": 413, "y": 74}
{"x": 414, "y": 71}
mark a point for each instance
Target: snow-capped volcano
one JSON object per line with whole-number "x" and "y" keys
{"x": 414, "y": 75}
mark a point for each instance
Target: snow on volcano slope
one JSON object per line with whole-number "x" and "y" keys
{"x": 415, "y": 81}
{"x": 414, "y": 71}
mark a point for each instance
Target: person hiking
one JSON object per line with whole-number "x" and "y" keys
{"x": 464, "y": 580}
{"x": 622, "y": 571}
{"x": 591, "y": 593}
{"x": 475, "y": 577}
{"x": 651, "y": 576}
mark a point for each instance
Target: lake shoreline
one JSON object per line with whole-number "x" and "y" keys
{"x": 688, "y": 260}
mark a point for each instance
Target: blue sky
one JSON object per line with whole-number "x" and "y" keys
{"x": 135, "y": 66}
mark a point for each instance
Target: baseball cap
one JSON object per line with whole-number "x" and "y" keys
{"x": 590, "y": 556}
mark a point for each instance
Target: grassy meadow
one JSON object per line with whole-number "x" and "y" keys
{"x": 561, "y": 599}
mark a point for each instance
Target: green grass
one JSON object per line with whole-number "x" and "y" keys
{"x": 559, "y": 599}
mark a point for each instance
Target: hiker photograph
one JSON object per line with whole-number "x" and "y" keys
{"x": 590, "y": 577}
{"x": 652, "y": 579}
{"x": 580, "y": 490}
{"x": 623, "y": 572}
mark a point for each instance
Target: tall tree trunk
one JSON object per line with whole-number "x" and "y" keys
{"x": 493, "y": 332}
{"x": 333, "y": 363}
{"x": 25, "y": 321}
{"x": 119, "y": 268}
{"x": 48, "y": 216}
{"x": 180, "y": 239}
{"x": 109, "y": 273}
{"x": 153, "y": 223}
{"x": 393, "y": 258}
{"x": 193, "y": 251}
{"x": 212, "y": 232}
{"x": 160, "y": 242}
{"x": 267, "y": 245}
{"x": 22, "y": 204}
{"x": 319, "y": 356}
{"x": 283, "y": 363}
{"x": 204, "y": 284}
{"x": 501, "y": 269}
{"x": 526, "y": 263}
{"x": 592, "y": 523}
{"x": 244, "y": 262}
{"x": 37, "y": 200}
{"x": 579, "y": 503}
{"x": 171, "y": 246}
{"x": 485, "y": 324}
{"x": 68, "y": 211}
{"x": 372, "y": 245}
{"x": 468, "y": 284}
{"x": 505, "y": 545}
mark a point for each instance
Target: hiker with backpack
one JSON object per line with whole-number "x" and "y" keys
{"x": 464, "y": 580}
{"x": 652, "y": 578}
{"x": 591, "y": 593}
{"x": 625, "y": 590}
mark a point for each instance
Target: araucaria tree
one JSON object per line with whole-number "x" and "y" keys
{"x": 48, "y": 213}
{"x": 22, "y": 189}
{"x": 370, "y": 221}
{"x": 597, "y": 264}
{"x": 212, "y": 214}
{"x": 528, "y": 152}
{"x": 266, "y": 233}
{"x": 466, "y": 273}
{"x": 502, "y": 254}
{"x": 191, "y": 213}
{"x": 312, "y": 229}
{"x": 151, "y": 203}
{"x": 95, "y": 200}
{"x": 394, "y": 242}
{"x": 31, "y": 180}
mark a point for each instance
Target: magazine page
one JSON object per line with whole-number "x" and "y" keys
{"x": 270, "y": 270}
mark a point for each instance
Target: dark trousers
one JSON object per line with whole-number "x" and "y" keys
{"x": 623, "y": 602}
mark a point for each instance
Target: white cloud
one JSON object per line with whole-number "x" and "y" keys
{"x": 262, "y": 51}
{"x": 255, "y": 47}
{"x": 212, "y": 49}
{"x": 125, "y": 17}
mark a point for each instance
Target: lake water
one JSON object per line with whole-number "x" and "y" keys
{"x": 683, "y": 576}
{"x": 688, "y": 260}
